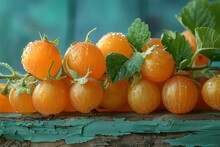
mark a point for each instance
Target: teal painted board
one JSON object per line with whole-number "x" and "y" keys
{"x": 201, "y": 131}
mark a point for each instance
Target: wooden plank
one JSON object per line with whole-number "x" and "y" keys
{"x": 110, "y": 129}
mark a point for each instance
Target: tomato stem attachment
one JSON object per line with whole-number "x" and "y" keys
{"x": 136, "y": 78}
{"x": 88, "y": 35}
{"x": 84, "y": 79}
{"x": 46, "y": 39}
{"x": 5, "y": 90}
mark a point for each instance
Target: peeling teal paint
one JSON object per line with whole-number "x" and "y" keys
{"x": 81, "y": 129}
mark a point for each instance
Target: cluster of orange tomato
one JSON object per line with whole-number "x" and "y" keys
{"x": 84, "y": 85}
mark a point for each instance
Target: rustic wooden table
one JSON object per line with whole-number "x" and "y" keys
{"x": 110, "y": 129}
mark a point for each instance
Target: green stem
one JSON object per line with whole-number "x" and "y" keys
{"x": 83, "y": 79}
{"x": 88, "y": 35}
{"x": 191, "y": 64}
{"x": 14, "y": 75}
{"x": 5, "y": 90}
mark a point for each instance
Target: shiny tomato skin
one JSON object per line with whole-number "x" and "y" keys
{"x": 211, "y": 92}
{"x": 179, "y": 94}
{"x": 158, "y": 65}
{"x": 86, "y": 97}
{"x": 144, "y": 96}
{"x": 50, "y": 97}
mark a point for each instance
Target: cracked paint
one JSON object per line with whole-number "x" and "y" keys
{"x": 81, "y": 129}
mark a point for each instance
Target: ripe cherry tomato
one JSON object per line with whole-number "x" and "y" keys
{"x": 86, "y": 97}
{"x": 82, "y": 56}
{"x": 151, "y": 42}
{"x": 115, "y": 95}
{"x": 211, "y": 93}
{"x": 144, "y": 96}
{"x": 22, "y": 103}
{"x": 5, "y": 106}
{"x": 179, "y": 94}
{"x": 158, "y": 66}
{"x": 115, "y": 42}
{"x": 50, "y": 97}
{"x": 200, "y": 59}
{"x": 39, "y": 56}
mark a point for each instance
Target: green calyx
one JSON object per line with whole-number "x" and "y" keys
{"x": 46, "y": 39}
{"x": 76, "y": 77}
{"x": 24, "y": 85}
{"x": 6, "y": 89}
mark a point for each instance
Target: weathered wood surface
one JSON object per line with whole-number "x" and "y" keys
{"x": 133, "y": 140}
{"x": 113, "y": 129}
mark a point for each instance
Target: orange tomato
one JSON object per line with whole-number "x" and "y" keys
{"x": 200, "y": 59}
{"x": 191, "y": 39}
{"x": 125, "y": 108}
{"x": 67, "y": 82}
{"x": 158, "y": 66}
{"x": 22, "y": 103}
{"x": 161, "y": 107}
{"x": 5, "y": 106}
{"x": 115, "y": 42}
{"x": 144, "y": 96}
{"x": 211, "y": 93}
{"x": 38, "y": 57}
{"x": 115, "y": 95}
{"x": 50, "y": 97}
{"x": 179, "y": 94}
{"x": 82, "y": 56}
{"x": 151, "y": 42}
{"x": 201, "y": 105}
{"x": 69, "y": 107}
{"x": 86, "y": 97}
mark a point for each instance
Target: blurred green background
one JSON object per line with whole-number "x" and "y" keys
{"x": 20, "y": 21}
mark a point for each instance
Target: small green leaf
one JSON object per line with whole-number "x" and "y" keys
{"x": 138, "y": 34}
{"x": 196, "y": 14}
{"x": 178, "y": 47}
{"x": 208, "y": 41}
{"x": 114, "y": 63}
{"x": 215, "y": 11}
{"x": 119, "y": 67}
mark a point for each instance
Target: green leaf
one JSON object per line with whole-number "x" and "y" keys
{"x": 215, "y": 11}
{"x": 119, "y": 67}
{"x": 114, "y": 62}
{"x": 196, "y": 14}
{"x": 178, "y": 47}
{"x": 138, "y": 34}
{"x": 208, "y": 41}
